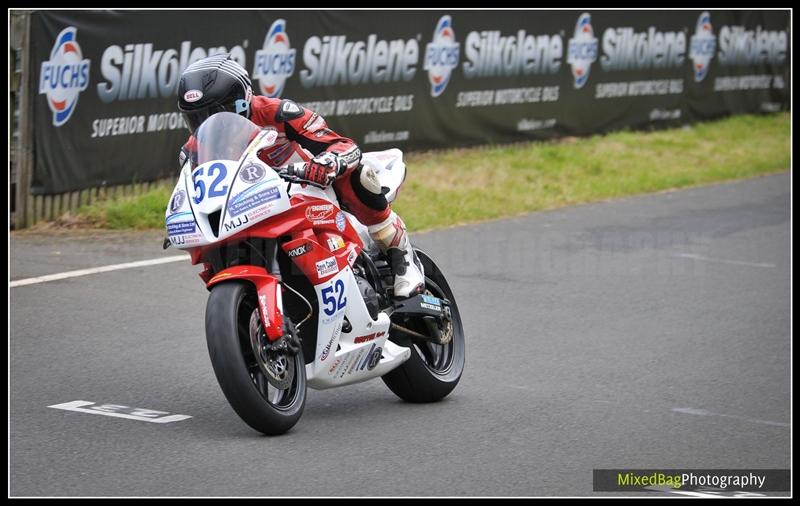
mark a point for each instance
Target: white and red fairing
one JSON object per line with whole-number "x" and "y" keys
{"x": 253, "y": 201}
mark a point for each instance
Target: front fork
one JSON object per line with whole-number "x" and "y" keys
{"x": 268, "y": 289}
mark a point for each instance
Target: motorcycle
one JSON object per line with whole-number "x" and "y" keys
{"x": 300, "y": 295}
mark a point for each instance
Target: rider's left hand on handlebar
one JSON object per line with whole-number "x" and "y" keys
{"x": 324, "y": 169}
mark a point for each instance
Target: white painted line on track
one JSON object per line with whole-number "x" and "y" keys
{"x": 703, "y": 412}
{"x": 120, "y": 411}
{"x": 95, "y": 270}
{"x": 722, "y": 260}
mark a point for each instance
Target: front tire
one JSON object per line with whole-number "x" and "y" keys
{"x": 263, "y": 407}
{"x": 433, "y": 370}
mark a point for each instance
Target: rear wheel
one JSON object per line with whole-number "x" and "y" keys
{"x": 266, "y": 387}
{"x": 434, "y": 369}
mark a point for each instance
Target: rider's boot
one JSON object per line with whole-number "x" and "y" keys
{"x": 392, "y": 239}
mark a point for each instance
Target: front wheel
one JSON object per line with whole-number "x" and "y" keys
{"x": 433, "y": 370}
{"x": 266, "y": 389}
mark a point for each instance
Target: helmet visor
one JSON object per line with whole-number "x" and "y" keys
{"x": 196, "y": 118}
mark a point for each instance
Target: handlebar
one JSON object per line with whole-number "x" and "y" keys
{"x": 295, "y": 173}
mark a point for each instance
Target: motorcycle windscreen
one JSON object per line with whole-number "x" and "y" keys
{"x": 224, "y": 136}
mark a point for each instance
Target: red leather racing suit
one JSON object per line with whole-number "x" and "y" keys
{"x": 302, "y": 135}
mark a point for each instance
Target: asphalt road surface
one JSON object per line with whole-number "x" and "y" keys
{"x": 647, "y": 332}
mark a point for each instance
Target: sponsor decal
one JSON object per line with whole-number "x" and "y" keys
{"x": 582, "y": 50}
{"x": 174, "y": 217}
{"x": 368, "y": 338}
{"x": 625, "y": 49}
{"x": 431, "y": 299}
{"x": 326, "y": 351}
{"x": 234, "y": 224}
{"x": 290, "y": 108}
{"x": 353, "y": 363}
{"x": 244, "y": 203}
{"x": 702, "y": 46}
{"x": 351, "y": 257}
{"x": 739, "y": 46}
{"x": 182, "y": 227}
{"x": 374, "y": 359}
{"x": 262, "y": 299}
{"x": 139, "y": 71}
{"x": 336, "y": 364}
{"x": 192, "y": 95}
{"x": 319, "y": 213}
{"x": 333, "y": 60}
{"x": 64, "y": 76}
{"x": 252, "y": 172}
{"x": 335, "y": 243}
{"x": 430, "y": 306}
{"x": 340, "y": 221}
{"x": 300, "y": 250}
{"x": 490, "y": 54}
{"x": 177, "y": 200}
{"x": 363, "y": 364}
{"x": 327, "y": 267}
{"x": 441, "y": 55}
{"x": 271, "y": 137}
{"x": 275, "y": 61}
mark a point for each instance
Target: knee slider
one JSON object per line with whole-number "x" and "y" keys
{"x": 368, "y": 189}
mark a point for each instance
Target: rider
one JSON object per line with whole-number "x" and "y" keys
{"x": 218, "y": 83}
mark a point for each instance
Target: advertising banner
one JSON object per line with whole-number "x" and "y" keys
{"x": 105, "y": 105}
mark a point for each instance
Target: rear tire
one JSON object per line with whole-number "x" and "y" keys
{"x": 433, "y": 370}
{"x": 230, "y": 306}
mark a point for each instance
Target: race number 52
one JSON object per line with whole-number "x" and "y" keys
{"x": 216, "y": 171}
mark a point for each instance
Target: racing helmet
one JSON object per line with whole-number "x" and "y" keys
{"x": 211, "y": 85}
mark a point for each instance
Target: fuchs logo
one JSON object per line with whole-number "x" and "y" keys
{"x": 441, "y": 56}
{"x": 582, "y": 50}
{"x": 64, "y": 76}
{"x": 275, "y": 62}
{"x": 702, "y": 46}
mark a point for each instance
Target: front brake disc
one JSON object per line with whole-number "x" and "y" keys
{"x": 276, "y": 364}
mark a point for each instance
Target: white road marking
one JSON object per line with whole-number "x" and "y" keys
{"x": 703, "y": 412}
{"x": 120, "y": 411}
{"x": 95, "y": 270}
{"x": 722, "y": 260}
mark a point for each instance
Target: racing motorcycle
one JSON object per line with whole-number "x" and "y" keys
{"x": 300, "y": 295}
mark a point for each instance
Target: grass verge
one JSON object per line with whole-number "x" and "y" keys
{"x": 451, "y": 187}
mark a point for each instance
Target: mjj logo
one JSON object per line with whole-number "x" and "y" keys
{"x": 238, "y": 222}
